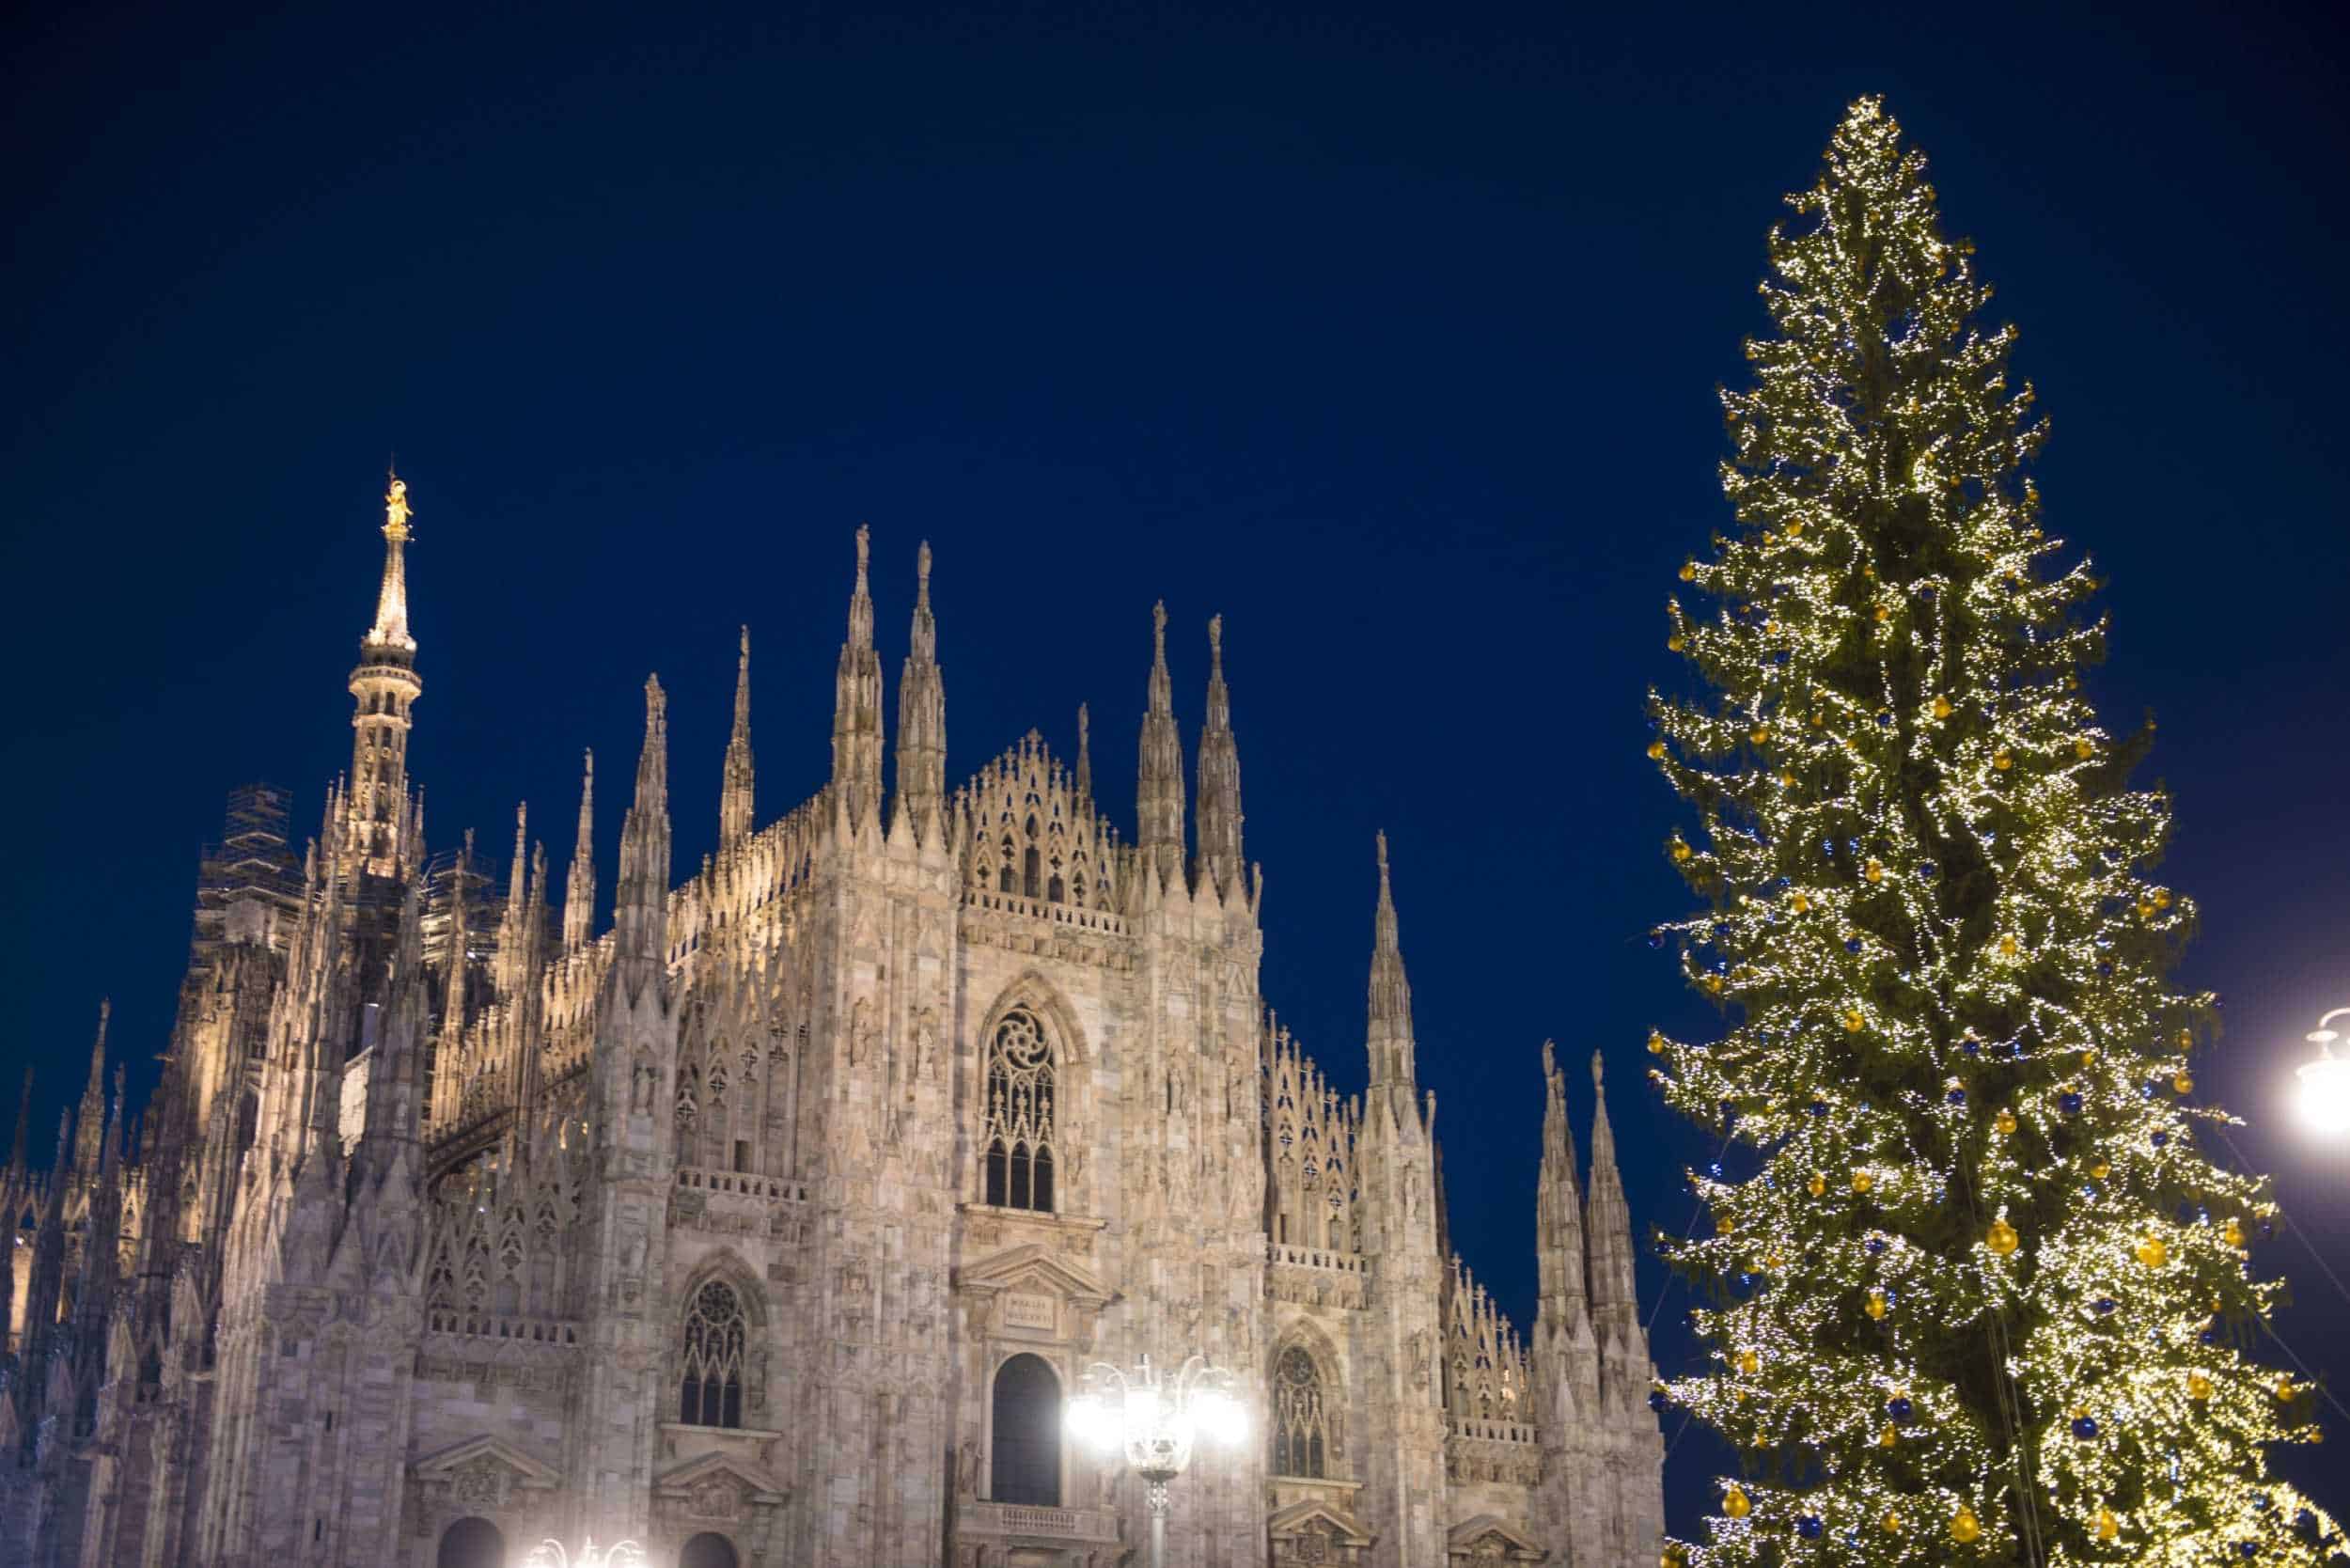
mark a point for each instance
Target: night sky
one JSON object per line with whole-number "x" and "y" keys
{"x": 1393, "y": 339}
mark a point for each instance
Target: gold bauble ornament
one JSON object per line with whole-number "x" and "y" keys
{"x": 1819, "y": 1185}
{"x": 1689, "y": 572}
{"x": 2107, "y": 1525}
{"x": 2005, "y": 1122}
{"x": 1875, "y": 870}
{"x": 2152, "y": 1252}
{"x": 2002, "y": 1239}
{"x": 1787, "y": 779}
{"x": 1675, "y": 643}
{"x": 1682, "y": 851}
{"x": 1656, "y": 1044}
{"x": 1800, "y": 903}
{"x": 2232, "y": 1234}
{"x": 2184, "y": 1083}
{"x": 1862, "y": 1181}
{"x": 2198, "y": 1387}
{"x": 1887, "y": 1438}
{"x": 1876, "y": 1306}
{"x": 2100, "y": 1170}
{"x": 1854, "y": 1023}
{"x": 1724, "y": 1226}
{"x": 2003, "y": 761}
{"x": 2007, "y": 946}
{"x": 1892, "y": 1524}
{"x": 1883, "y": 615}
{"x": 1656, "y": 751}
{"x": 2162, "y": 898}
{"x": 2284, "y": 1390}
{"x": 1734, "y": 1503}
{"x": 1762, "y": 732}
{"x": 2083, "y": 750}
{"x": 1747, "y": 1362}
{"x": 1795, "y": 526}
{"x": 2145, "y": 910}
{"x": 2186, "y": 1039}
{"x": 1941, "y": 707}
{"x": 1965, "y": 1526}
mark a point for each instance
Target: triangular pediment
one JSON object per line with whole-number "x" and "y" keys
{"x": 447, "y": 1462}
{"x": 694, "y": 1474}
{"x": 1489, "y": 1531}
{"x": 1317, "y": 1514}
{"x": 1033, "y": 1266}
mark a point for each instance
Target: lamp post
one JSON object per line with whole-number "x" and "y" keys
{"x": 621, "y": 1554}
{"x": 2326, "y": 1082}
{"x": 1151, "y": 1422}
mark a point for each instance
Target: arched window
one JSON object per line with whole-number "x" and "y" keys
{"x": 1020, "y": 1093}
{"x": 471, "y": 1543}
{"x": 1300, "y": 1423}
{"x": 711, "y": 1368}
{"x": 1024, "y": 1464}
{"x": 709, "y": 1551}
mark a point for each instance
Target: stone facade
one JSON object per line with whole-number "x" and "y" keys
{"x": 770, "y": 1226}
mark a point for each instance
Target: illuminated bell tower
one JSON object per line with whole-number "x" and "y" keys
{"x": 376, "y": 813}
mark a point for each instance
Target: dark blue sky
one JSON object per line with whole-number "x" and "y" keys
{"x": 1392, "y": 338}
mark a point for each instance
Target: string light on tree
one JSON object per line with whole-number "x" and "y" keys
{"x": 1929, "y": 918}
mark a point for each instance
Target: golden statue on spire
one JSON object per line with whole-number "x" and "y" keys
{"x": 395, "y": 511}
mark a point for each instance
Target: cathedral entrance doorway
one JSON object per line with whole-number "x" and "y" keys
{"x": 709, "y": 1551}
{"x": 471, "y": 1543}
{"x": 1025, "y": 1465}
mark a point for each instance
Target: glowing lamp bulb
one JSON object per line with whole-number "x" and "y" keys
{"x": 1084, "y": 1420}
{"x": 2324, "y": 1102}
{"x": 1222, "y": 1417}
{"x": 1142, "y": 1408}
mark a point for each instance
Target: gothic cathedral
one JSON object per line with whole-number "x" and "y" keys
{"x": 771, "y": 1227}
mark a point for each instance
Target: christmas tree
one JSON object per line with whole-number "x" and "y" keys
{"x": 1984, "y": 1299}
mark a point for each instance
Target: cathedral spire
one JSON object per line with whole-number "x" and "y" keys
{"x": 512, "y": 967}
{"x": 1558, "y": 1210}
{"x": 579, "y": 886}
{"x": 1220, "y": 860}
{"x": 89, "y": 1131}
{"x": 1391, "y": 1032}
{"x": 734, "y": 799}
{"x": 1085, "y": 757}
{"x": 1159, "y": 786}
{"x": 453, "y": 1000}
{"x": 922, "y": 711}
{"x": 1607, "y": 1230}
{"x": 391, "y": 600}
{"x": 857, "y": 700}
{"x": 377, "y": 828}
{"x": 641, "y": 914}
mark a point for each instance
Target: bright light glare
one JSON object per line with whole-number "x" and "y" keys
{"x": 2325, "y": 1095}
{"x": 1225, "y": 1417}
{"x": 1084, "y": 1420}
{"x": 1142, "y": 1407}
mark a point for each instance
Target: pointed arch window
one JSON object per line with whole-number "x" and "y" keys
{"x": 1021, "y": 1093}
{"x": 711, "y": 1367}
{"x": 1300, "y": 1420}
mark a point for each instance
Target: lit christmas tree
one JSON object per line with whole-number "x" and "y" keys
{"x": 1984, "y": 1299}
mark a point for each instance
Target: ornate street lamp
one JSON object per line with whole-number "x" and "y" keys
{"x": 1152, "y": 1423}
{"x": 2326, "y": 1082}
{"x": 621, "y": 1554}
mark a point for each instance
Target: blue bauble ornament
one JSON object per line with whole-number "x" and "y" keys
{"x": 1657, "y": 1399}
{"x": 2102, "y": 1305}
{"x": 2160, "y": 1139}
{"x": 1808, "y": 1527}
{"x": 1656, "y": 939}
{"x": 2208, "y": 1337}
{"x": 2085, "y": 1427}
{"x": 1898, "y": 1408}
{"x": 1972, "y": 1047}
{"x": 1956, "y": 1097}
{"x": 1875, "y": 1246}
{"x": 1928, "y": 869}
{"x": 1819, "y": 1107}
{"x": 2071, "y": 1102}
{"x": 1852, "y": 943}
